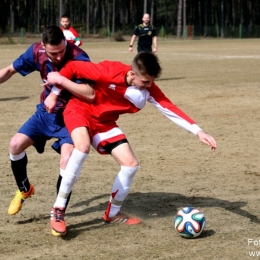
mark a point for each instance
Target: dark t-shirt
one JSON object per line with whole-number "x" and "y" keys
{"x": 145, "y": 37}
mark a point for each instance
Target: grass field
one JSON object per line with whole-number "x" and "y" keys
{"x": 216, "y": 82}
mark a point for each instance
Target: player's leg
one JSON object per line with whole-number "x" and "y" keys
{"x": 66, "y": 151}
{"x": 125, "y": 157}
{"x": 79, "y": 154}
{"x": 18, "y": 157}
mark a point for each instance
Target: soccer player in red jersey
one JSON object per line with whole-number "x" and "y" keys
{"x": 119, "y": 89}
{"x": 69, "y": 32}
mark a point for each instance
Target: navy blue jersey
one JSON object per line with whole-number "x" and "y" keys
{"x": 35, "y": 59}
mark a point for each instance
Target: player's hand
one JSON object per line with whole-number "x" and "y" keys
{"x": 207, "y": 139}
{"x": 50, "y": 102}
{"x": 154, "y": 49}
{"x": 130, "y": 49}
{"x": 54, "y": 78}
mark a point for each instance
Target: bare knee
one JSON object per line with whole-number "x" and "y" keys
{"x": 15, "y": 146}
{"x": 19, "y": 143}
{"x": 132, "y": 163}
{"x": 83, "y": 147}
{"x": 67, "y": 149}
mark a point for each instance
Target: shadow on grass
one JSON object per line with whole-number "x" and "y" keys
{"x": 145, "y": 206}
{"x": 13, "y": 98}
{"x": 165, "y": 79}
{"x": 161, "y": 204}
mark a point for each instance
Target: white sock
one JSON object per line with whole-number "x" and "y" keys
{"x": 121, "y": 188}
{"x": 17, "y": 157}
{"x": 70, "y": 176}
{"x": 62, "y": 172}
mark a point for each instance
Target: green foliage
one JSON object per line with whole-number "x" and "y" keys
{"x": 103, "y": 32}
{"x": 118, "y": 36}
{"x": 10, "y": 39}
{"x": 161, "y": 32}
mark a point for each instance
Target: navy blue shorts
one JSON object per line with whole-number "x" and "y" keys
{"x": 42, "y": 126}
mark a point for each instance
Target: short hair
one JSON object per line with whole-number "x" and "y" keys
{"x": 147, "y": 63}
{"x": 52, "y": 35}
{"x": 65, "y": 16}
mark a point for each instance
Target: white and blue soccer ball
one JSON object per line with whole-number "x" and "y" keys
{"x": 189, "y": 222}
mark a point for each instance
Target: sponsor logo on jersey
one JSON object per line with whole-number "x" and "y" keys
{"x": 112, "y": 86}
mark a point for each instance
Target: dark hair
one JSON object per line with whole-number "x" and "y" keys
{"x": 147, "y": 63}
{"x": 52, "y": 35}
{"x": 65, "y": 16}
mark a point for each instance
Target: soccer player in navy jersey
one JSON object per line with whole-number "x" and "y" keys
{"x": 119, "y": 89}
{"x": 46, "y": 56}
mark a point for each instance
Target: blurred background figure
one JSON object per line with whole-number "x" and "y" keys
{"x": 146, "y": 36}
{"x": 69, "y": 32}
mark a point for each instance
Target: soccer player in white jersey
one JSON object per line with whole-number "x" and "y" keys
{"x": 69, "y": 32}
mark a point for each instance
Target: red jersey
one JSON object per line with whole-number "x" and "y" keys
{"x": 72, "y": 36}
{"x": 114, "y": 97}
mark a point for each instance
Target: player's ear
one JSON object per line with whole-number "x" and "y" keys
{"x": 132, "y": 73}
{"x": 43, "y": 46}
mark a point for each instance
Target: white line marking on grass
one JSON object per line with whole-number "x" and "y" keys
{"x": 211, "y": 56}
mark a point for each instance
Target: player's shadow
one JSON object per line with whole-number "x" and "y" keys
{"x": 150, "y": 205}
{"x": 166, "y": 79}
{"x": 13, "y": 98}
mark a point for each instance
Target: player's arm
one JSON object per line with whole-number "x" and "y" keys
{"x": 82, "y": 90}
{"x": 77, "y": 40}
{"x": 166, "y": 107}
{"x": 207, "y": 139}
{"x": 155, "y": 44}
{"x": 6, "y": 73}
{"x": 132, "y": 43}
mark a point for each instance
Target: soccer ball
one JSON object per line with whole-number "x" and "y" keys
{"x": 189, "y": 222}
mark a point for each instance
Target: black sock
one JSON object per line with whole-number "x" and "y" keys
{"x": 20, "y": 174}
{"x": 58, "y": 188}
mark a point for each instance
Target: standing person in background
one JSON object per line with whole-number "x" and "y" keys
{"x": 69, "y": 32}
{"x": 146, "y": 36}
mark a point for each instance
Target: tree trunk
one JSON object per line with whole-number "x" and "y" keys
{"x": 206, "y": 19}
{"x": 184, "y": 20}
{"x": 108, "y": 18}
{"x": 113, "y": 19}
{"x": 12, "y": 17}
{"x": 151, "y": 16}
{"x": 222, "y": 19}
{"x": 87, "y": 18}
{"x": 145, "y": 6}
{"x": 95, "y": 17}
{"x": 103, "y": 14}
{"x": 233, "y": 15}
{"x": 38, "y": 16}
{"x": 179, "y": 19}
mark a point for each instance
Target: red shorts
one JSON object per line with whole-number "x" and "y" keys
{"x": 101, "y": 133}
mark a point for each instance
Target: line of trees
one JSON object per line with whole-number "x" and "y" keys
{"x": 217, "y": 18}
